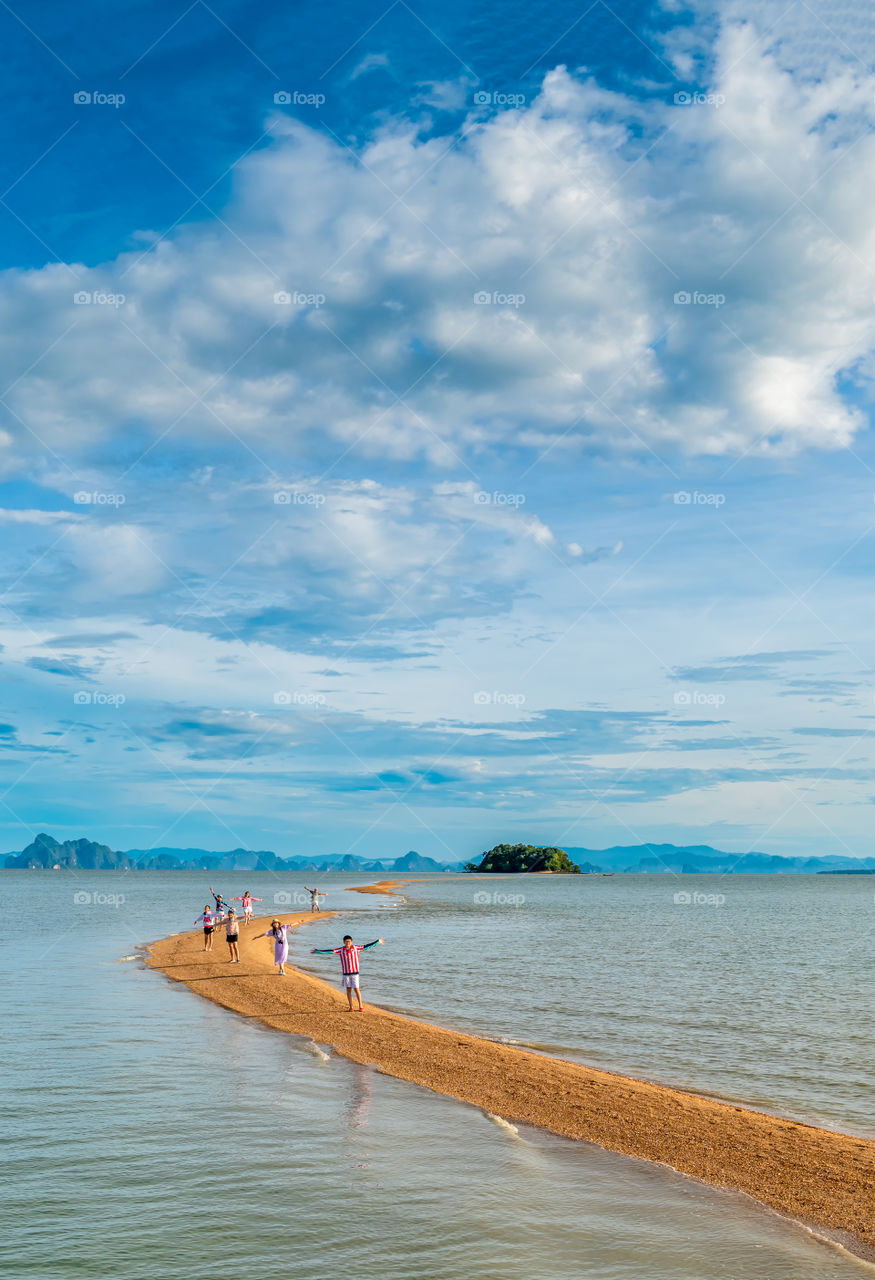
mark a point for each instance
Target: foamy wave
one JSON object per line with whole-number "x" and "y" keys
{"x": 312, "y": 1047}
{"x": 122, "y": 959}
{"x": 504, "y": 1124}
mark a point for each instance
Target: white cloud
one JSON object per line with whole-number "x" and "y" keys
{"x": 591, "y": 207}
{"x": 113, "y": 560}
{"x": 11, "y": 516}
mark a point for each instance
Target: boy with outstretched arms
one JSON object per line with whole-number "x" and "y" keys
{"x": 349, "y": 964}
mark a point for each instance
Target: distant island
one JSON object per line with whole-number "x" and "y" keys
{"x": 526, "y": 858}
{"x": 47, "y": 854}
{"x": 701, "y": 859}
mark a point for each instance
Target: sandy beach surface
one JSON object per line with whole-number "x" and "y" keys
{"x": 825, "y": 1180}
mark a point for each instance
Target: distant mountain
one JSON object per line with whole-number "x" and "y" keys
{"x": 45, "y": 852}
{"x": 701, "y": 858}
{"x": 163, "y": 859}
{"x": 414, "y": 861}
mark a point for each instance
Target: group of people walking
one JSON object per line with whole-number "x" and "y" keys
{"x": 211, "y": 918}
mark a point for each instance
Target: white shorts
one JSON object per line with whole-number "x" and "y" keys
{"x": 350, "y": 982}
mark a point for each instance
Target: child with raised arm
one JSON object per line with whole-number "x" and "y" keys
{"x": 221, "y": 904}
{"x": 315, "y": 895}
{"x": 349, "y": 964}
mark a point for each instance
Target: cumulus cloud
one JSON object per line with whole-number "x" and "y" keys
{"x": 586, "y": 270}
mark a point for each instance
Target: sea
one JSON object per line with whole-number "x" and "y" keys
{"x": 151, "y": 1135}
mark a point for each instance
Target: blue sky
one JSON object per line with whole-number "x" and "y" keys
{"x": 425, "y": 427}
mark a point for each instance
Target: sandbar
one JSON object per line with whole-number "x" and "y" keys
{"x": 823, "y": 1179}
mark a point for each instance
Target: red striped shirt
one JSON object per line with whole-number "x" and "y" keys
{"x": 349, "y": 957}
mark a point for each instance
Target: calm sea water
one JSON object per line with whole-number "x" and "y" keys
{"x": 757, "y": 988}
{"x": 151, "y": 1135}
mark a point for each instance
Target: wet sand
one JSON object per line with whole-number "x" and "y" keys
{"x": 823, "y": 1179}
{"x": 389, "y": 887}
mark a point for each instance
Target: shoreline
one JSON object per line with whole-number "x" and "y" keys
{"x": 822, "y": 1179}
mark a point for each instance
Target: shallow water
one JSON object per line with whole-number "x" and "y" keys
{"x": 762, "y": 997}
{"x": 152, "y": 1134}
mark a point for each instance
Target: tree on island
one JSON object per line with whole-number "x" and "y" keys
{"x": 524, "y": 857}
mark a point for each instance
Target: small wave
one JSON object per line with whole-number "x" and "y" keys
{"x": 504, "y": 1124}
{"x": 122, "y": 959}
{"x": 313, "y": 1048}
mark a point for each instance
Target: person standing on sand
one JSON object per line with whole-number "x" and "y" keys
{"x": 232, "y": 935}
{"x": 280, "y": 934}
{"x": 349, "y": 964}
{"x": 210, "y": 920}
{"x": 315, "y": 895}
{"x": 247, "y": 901}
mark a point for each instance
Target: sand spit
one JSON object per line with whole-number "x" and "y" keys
{"x": 825, "y": 1180}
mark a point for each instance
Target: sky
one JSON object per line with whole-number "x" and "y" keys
{"x": 435, "y": 425}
